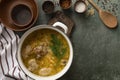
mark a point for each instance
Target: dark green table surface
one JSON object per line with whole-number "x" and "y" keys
{"x": 96, "y": 47}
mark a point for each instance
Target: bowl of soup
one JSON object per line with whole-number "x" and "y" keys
{"x": 45, "y": 53}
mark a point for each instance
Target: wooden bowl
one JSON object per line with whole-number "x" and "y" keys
{"x": 6, "y": 7}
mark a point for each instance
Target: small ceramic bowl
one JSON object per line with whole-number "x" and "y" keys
{"x": 65, "y": 4}
{"x": 80, "y": 6}
{"x": 48, "y": 7}
{"x": 11, "y": 12}
{"x": 21, "y": 14}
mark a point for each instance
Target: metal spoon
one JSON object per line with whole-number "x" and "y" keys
{"x": 108, "y": 19}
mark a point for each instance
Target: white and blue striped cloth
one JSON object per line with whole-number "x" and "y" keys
{"x": 9, "y": 69}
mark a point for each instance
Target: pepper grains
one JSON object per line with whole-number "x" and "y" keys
{"x": 48, "y": 7}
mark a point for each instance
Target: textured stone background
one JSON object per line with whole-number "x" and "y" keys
{"x": 96, "y": 47}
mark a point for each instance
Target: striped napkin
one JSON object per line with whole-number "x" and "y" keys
{"x": 9, "y": 69}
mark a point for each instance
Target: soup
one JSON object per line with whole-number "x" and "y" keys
{"x": 45, "y": 52}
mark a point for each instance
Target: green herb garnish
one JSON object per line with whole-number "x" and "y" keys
{"x": 57, "y": 47}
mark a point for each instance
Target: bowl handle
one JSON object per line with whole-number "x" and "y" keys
{"x": 61, "y": 25}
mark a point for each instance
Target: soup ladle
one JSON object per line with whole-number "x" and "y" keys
{"x": 108, "y": 19}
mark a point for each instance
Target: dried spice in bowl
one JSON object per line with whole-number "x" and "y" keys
{"x": 48, "y": 7}
{"x": 65, "y": 4}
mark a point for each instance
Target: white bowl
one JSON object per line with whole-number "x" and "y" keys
{"x": 37, "y": 77}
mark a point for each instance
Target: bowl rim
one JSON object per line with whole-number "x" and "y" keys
{"x": 37, "y": 77}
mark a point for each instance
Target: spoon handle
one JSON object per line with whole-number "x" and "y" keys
{"x": 94, "y": 5}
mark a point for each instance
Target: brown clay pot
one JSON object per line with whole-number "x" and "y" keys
{"x": 8, "y": 14}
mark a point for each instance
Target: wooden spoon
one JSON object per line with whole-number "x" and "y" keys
{"x": 108, "y": 19}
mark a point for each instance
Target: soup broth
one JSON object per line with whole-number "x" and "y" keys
{"x": 45, "y": 52}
